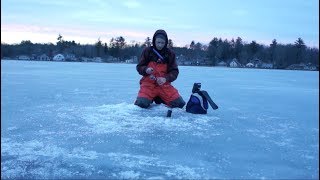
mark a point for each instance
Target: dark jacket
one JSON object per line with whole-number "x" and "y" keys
{"x": 169, "y": 56}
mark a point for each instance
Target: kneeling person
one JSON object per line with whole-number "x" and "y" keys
{"x": 159, "y": 68}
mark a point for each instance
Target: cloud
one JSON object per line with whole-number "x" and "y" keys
{"x": 102, "y": 19}
{"x": 15, "y": 33}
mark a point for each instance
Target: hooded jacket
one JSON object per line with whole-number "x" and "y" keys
{"x": 169, "y": 56}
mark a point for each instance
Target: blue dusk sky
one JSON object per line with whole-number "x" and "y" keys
{"x": 85, "y": 21}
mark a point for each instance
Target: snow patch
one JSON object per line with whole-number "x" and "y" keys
{"x": 183, "y": 172}
{"x": 12, "y": 128}
{"x": 31, "y": 150}
{"x": 129, "y": 119}
{"x": 136, "y": 141}
{"x": 175, "y": 170}
{"x": 129, "y": 175}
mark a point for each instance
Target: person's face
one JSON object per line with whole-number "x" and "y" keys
{"x": 160, "y": 43}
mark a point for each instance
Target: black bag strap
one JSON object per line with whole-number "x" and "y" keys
{"x": 206, "y": 95}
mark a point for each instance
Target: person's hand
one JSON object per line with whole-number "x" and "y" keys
{"x": 149, "y": 70}
{"x": 161, "y": 80}
{"x": 152, "y": 77}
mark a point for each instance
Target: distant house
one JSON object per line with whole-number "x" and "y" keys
{"x": 33, "y": 57}
{"x": 58, "y": 57}
{"x": 303, "y": 66}
{"x": 310, "y": 67}
{"x": 200, "y": 62}
{"x": 256, "y": 62}
{"x": 129, "y": 61}
{"x": 97, "y": 59}
{"x": 250, "y": 65}
{"x": 70, "y": 57}
{"x": 85, "y": 59}
{"x": 300, "y": 66}
{"x": 23, "y": 57}
{"x": 222, "y": 63}
{"x": 181, "y": 59}
{"x": 187, "y": 63}
{"x": 234, "y": 63}
{"x": 133, "y": 59}
{"x": 267, "y": 65}
{"x": 43, "y": 57}
{"x": 111, "y": 59}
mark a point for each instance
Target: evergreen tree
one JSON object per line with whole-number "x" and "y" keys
{"x": 147, "y": 42}
{"x": 99, "y": 49}
{"x": 116, "y": 46}
{"x": 212, "y": 50}
{"x": 254, "y": 47}
{"x": 105, "y": 48}
{"x": 170, "y": 44}
{"x": 280, "y": 55}
{"x": 192, "y": 45}
{"x": 238, "y": 47}
{"x": 273, "y": 47}
{"x": 26, "y": 47}
{"x": 60, "y": 43}
{"x": 300, "y": 50}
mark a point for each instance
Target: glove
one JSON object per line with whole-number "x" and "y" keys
{"x": 149, "y": 70}
{"x": 161, "y": 80}
{"x": 152, "y": 77}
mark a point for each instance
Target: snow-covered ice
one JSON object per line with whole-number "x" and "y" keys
{"x": 77, "y": 120}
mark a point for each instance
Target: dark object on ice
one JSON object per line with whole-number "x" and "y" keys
{"x": 196, "y": 87}
{"x": 169, "y": 113}
{"x": 198, "y": 102}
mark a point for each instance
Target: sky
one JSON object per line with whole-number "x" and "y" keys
{"x": 86, "y": 21}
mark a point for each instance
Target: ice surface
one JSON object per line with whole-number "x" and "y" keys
{"x": 77, "y": 120}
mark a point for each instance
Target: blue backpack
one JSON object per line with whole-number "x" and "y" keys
{"x": 197, "y": 104}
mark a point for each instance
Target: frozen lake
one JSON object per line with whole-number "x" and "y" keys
{"x": 77, "y": 120}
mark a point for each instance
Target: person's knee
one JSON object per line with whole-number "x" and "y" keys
{"x": 179, "y": 102}
{"x": 142, "y": 102}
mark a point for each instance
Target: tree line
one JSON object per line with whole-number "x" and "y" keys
{"x": 280, "y": 55}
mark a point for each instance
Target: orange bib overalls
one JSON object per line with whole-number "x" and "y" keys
{"x": 150, "y": 89}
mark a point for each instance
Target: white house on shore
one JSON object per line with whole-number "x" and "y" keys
{"x": 23, "y": 57}
{"x": 234, "y": 63}
{"x": 58, "y": 57}
{"x": 250, "y": 65}
{"x": 43, "y": 57}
